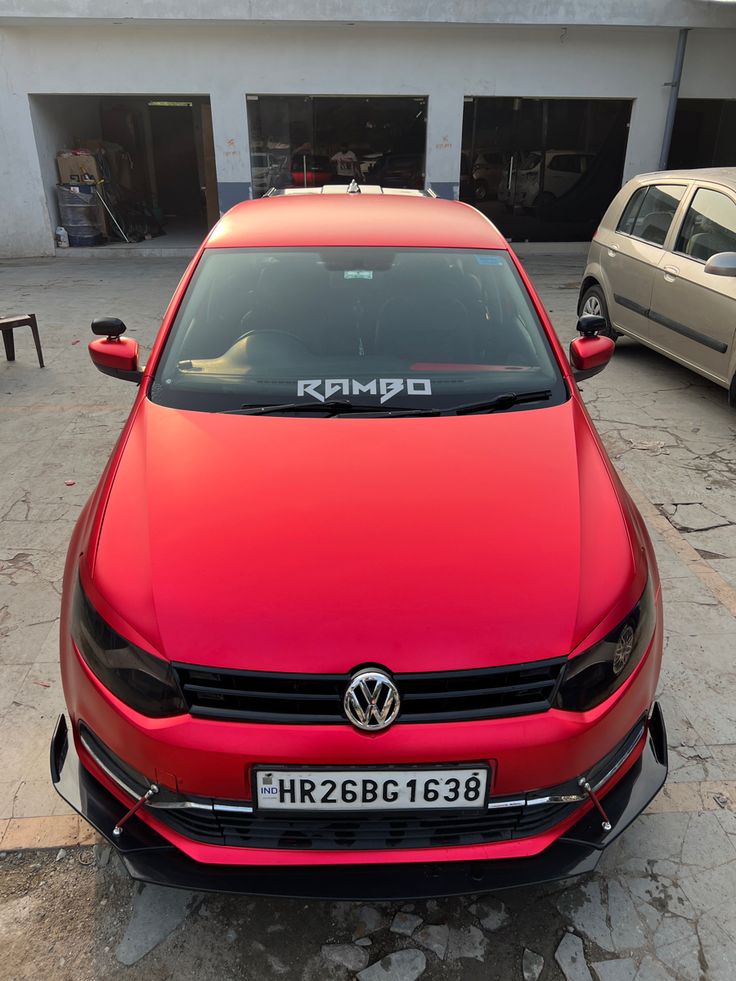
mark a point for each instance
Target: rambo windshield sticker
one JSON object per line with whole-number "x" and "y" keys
{"x": 489, "y": 260}
{"x": 326, "y": 388}
{"x": 357, "y": 274}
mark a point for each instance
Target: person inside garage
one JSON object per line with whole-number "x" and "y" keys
{"x": 346, "y": 165}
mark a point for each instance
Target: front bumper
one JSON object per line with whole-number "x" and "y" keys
{"x": 151, "y": 858}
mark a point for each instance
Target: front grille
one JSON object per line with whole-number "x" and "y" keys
{"x": 446, "y": 696}
{"x": 370, "y": 831}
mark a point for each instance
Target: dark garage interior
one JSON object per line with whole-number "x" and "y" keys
{"x": 704, "y": 134}
{"x": 146, "y": 162}
{"x": 543, "y": 169}
{"x": 294, "y": 140}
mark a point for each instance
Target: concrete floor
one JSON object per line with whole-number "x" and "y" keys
{"x": 663, "y": 905}
{"x": 181, "y": 238}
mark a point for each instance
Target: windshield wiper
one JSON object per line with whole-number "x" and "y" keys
{"x": 330, "y": 406}
{"x": 503, "y": 401}
{"x": 335, "y": 407}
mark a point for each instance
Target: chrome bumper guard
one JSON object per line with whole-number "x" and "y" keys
{"x": 151, "y": 858}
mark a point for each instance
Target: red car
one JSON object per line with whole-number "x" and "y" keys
{"x": 359, "y": 607}
{"x": 311, "y": 171}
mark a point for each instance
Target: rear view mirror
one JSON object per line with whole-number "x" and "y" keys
{"x": 721, "y": 264}
{"x": 590, "y": 354}
{"x": 112, "y": 354}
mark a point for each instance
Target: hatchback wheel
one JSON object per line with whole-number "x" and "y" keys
{"x": 594, "y": 304}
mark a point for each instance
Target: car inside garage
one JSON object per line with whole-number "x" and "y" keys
{"x": 544, "y": 169}
{"x": 309, "y": 141}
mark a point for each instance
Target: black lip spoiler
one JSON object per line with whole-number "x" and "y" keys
{"x": 148, "y": 857}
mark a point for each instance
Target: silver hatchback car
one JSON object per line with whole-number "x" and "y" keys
{"x": 662, "y": 269}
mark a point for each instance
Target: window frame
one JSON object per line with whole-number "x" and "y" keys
{"x": 717, "y": 188}
{"x": 686, "y": 196}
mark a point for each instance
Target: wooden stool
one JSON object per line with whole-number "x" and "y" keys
{"x": 8, "y": 325}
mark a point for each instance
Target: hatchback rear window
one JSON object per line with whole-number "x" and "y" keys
{"x": 386, "y": 328}
{"x": 648, "y": 215}
{"x": 630, "y": 212}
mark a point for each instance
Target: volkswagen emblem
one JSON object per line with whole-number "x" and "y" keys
{"x": 371, "y": 701}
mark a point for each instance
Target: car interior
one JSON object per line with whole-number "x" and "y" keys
{"x": 701, "y": 237}
{"x": 654, "y": 226}
{"x": 649, "y": 212}
{"x": 276, "y": 310}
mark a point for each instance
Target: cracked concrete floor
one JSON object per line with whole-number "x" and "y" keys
{"x": 663, "y": 904}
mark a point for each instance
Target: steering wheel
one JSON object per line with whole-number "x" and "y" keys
{"x": 270, "y": 333}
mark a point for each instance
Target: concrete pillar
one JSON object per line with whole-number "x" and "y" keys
{"x": 444, "y": 141}
{"x": 25, "y": 225}
{"x": 646, "y": 131}
{"x": 232, "y": 147}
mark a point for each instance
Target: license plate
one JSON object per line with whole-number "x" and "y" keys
{"x": 460, "y": 788}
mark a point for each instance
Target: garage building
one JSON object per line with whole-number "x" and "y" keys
{"x": 188, "y": 108}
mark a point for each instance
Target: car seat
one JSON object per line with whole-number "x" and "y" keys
{"x": 654, "y": 226}
{"x": 707, "y": 243}
{"x": 287, "y": 298}
{"x": 221, "y": 312}
{"x": 425, "y": 328}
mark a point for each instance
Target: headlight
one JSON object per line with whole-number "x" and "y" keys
{"x": 592, "y": 676}
{"x": 139, "y": 679}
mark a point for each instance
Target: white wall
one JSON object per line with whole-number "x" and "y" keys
{"x": 444, "y": 63}
{"x": 709, "y": 71}
{"x": 639, "y": 13}
{"x": 59, "y": 123}
{"x": 24, "y": 220}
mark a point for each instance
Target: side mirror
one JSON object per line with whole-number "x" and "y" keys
{"x": 721, "y": 264}
{"x": 112, "y": 354}
{"x": 590, "y": 354}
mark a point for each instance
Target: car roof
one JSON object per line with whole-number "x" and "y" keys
{"x": 389, "y": 220}
{"x": 717, "y": 175}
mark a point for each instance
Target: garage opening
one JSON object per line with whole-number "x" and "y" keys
{"x": 704, "y": 134}
{"x": 309, "y": 141}
{"x": 125, "y": 170}
{"x": 543, "y": 169}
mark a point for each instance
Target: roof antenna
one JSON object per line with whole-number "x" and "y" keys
{"x": 353, "y": 187}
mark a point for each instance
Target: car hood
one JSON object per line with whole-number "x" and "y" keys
{"x": 301, "y": 544}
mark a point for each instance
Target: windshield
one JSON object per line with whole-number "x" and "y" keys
{"x": 394, "y": 329}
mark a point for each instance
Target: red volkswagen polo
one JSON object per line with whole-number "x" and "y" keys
{"x": 359, "y": 607}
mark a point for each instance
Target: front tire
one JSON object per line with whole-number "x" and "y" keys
{"x": 594, "y": 303}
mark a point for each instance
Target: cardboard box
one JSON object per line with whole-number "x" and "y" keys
{"x": 77, "y": 168}
{"x": 117, "y": 159}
